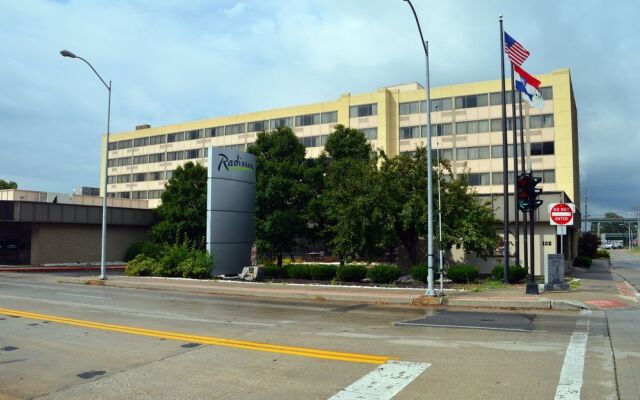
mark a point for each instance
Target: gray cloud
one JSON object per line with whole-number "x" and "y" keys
{"x": 172, "y": 61}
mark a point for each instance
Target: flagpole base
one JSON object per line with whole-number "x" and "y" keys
{"x": 532, "y": 288}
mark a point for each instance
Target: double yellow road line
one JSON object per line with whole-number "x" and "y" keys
{"x": 214, "y": 341}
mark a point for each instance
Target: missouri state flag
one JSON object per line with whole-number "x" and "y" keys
{"x": 528, "y": 86}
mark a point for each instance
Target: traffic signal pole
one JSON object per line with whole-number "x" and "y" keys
{"x": 532, "y": 286}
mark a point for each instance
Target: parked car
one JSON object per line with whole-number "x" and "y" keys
{"x": 607, "y": 246}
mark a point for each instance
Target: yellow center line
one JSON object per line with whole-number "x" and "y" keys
{"x": 214, "y": 341}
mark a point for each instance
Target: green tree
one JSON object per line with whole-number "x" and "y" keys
{"x": 282, "y": 192}
{"x": 183, "y": 212}
{"x": 7, "y": 184}
{"x": 356, "y": 223}
{"x": 466, "y": 221}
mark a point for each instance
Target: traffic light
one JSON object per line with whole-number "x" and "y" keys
{"x": 534, "y": 203}
{"x": 524, "y": 185}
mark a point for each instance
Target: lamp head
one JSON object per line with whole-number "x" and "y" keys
{"x": 67, "y": 53}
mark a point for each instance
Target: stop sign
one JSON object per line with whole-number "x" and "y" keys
{"x": 561, "y": 213}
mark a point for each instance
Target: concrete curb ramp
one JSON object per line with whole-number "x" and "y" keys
{"x": 526, "y": 304}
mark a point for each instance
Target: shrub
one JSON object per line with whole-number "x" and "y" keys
{"x": 351, "y": 273}
{"x": 272, "y": 271}
{"x": 172, "y": 256}
{"x": 322, "y": 272}
{"x": 461, "y": 273}
{"x": 582, "y": 261}
{"x": 198, "y": 265}
{"x": 141, "y": 265}
{"x": 298, "y": 271}
{"x": 384, "y": 273}
{"x": 419, "y": 273}
{"x": 588, "y": 245}
{"x": 601, "y": 253}
{"x": 516, "y": 273}
{"x": 147, "y": 248}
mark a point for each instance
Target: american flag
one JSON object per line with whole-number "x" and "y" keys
{"x": 517, "y": 54}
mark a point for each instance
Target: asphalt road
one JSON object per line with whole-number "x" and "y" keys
{"x": 64, "y": 341}
{"x": 624, "y": 326}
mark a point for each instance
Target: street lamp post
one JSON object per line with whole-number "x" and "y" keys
{"x": 430, "y": 277}
{"x": 103, "y": 255}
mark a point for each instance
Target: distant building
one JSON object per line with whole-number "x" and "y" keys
{"x": 43, "y": 228}
{"x": 86, "y": 191}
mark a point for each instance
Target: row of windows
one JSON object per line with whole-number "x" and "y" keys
{"x": 486, "y": 152}
{"x": 497, "y": 178}
{"x": 476, "y": 126}
{"x": 471, "y": 101}
{"x": 364, "y": 110}
{"x": 234, "y": 129}
{"x": 138, "y": 194}
{"x": 138, "y": 177}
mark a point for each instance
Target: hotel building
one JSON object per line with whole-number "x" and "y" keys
{"x": 466, "y": 129}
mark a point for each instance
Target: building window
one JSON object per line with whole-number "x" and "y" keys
{"x": 175, "y": 155}
{"x": 193, "y": 135}
{"x": 124, "y": 161}
{"x": 370, "y": 133}
{"x": 438, "y": 129}
{"x": 141, "y": 142}
{"x": 111, "y": 179}
{"x": 169, "y": 174}
{"x": 329, "y": 117}
{"x": 175, "y": 137}
{"x": 112, "y": 163}
{"x": 479, "y": 179}
{"x": 549, "y": 176}
{"x": 125, "y": 144}
{"x": 437, "y": 104}
{"x": 113, "y": 145}
{"x": 155, "y": 176}
{"x": 215, "y": 132}
{"x": 140, "y": 177}
{"x": 126, "y": 178}
{"x": 410, "y": 132}
{"x": 476, "y": 100}
{"x": 154, "y": 194}
{"x": 480, "y": 126}
{"x": 234, "y": 129}
{"x": 542, "y": 148}
{"x": 495, "y": 99}
{"x": 547, "y": 92}
{"x": 412, "y": 107}
{"x": 541, "y": 121}
{"x": 364, "y": 110}
{"x": 123, "y": 195}
{"x": 444, "y": 154}
{"x": 158, "y": 139}
{"x": 496, "y": 178}
{"x": 309, "y": 119}
{"x": 472, "y": 153}
{"x": 158, "y": 157}
{"x": 193, "y": 153}
{"x": 139, "y": 194}
{"x": 140, "y": 159}
{"x": 280, "y": 122}
{"x": 257, "y": 126}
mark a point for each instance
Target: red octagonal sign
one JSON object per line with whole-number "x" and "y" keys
{"x": 561, "y": 213}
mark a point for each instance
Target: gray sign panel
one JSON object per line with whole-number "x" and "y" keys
{"x": 231, "y": 194}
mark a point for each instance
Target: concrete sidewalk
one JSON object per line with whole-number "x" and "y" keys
{"x": 599, "y": 288}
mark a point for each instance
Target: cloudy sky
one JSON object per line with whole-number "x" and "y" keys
{"x": 177, "y": 60}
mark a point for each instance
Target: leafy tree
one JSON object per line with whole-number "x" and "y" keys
{"x": 588, "y": 245}
{"x": 282, "y": 192}
{"x": 466, "y": 221}
{"x": 356, "y": 223}
{"x": 7, "y": 184}
{"x": 183, "y": 212}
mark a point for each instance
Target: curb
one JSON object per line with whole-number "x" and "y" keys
{"x": 371, "y": 298}
{"x": 60, "y": 269}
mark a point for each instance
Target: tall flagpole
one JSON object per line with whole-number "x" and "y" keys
{"x": 524, "y": 169}
{"x": 505, "y": 164}
{"x": 515, "y": 169}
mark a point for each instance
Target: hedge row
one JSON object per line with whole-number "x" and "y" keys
{"x": 382, "y": 273}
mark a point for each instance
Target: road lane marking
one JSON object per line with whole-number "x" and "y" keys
{"x": 570, "y": 383}
{"x": 382, "y": 383}
{"x": 84, "y": 295}
{"x": 214, "y": 341}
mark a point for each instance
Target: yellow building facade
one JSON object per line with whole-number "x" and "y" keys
{"x": 466, "y": 129}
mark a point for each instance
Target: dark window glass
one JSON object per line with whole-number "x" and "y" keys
{"x": 141, "y": 142}
{"x": 409, "y": 108}
{"x": 159, "y": 139}
{"x": 257, "y": 126}
{"x": 329, "y": 117}
{"x": 280, "y": 122}
{"x": 306, "y": 120}
{"x": 175, "y": 137}
{"x": 364, "y": 110}
{"x": 215, "y": 132}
